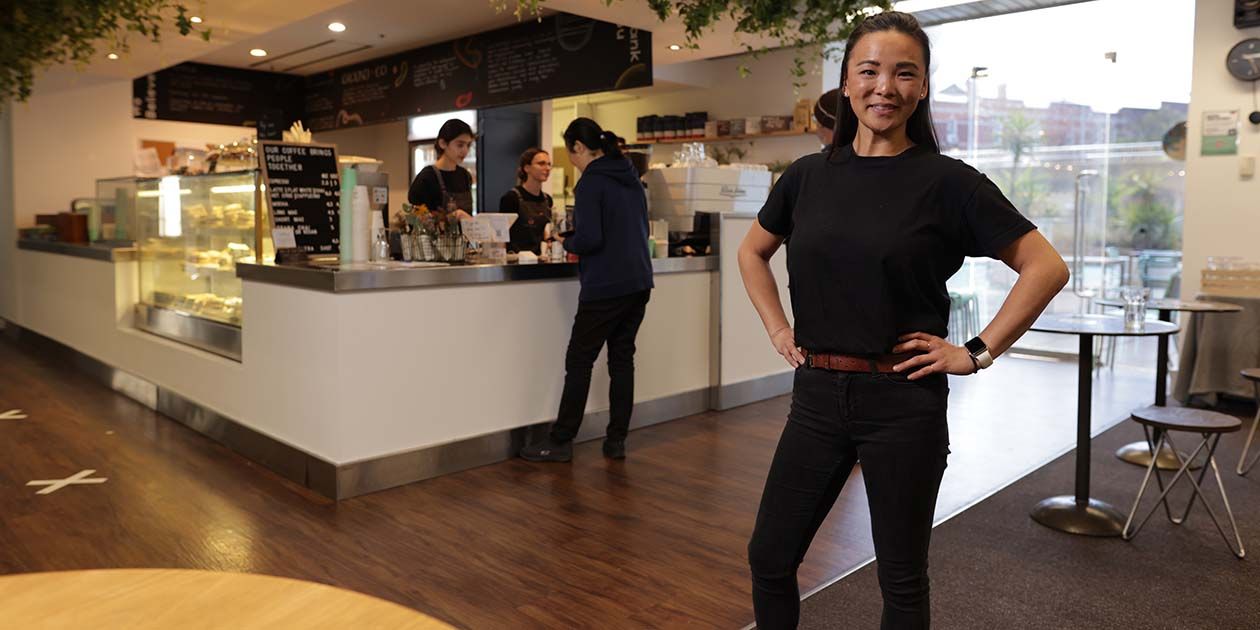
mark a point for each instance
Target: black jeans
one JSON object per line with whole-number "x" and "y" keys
{"x": 614, "y": 321}
{"x": 897, "y": 429}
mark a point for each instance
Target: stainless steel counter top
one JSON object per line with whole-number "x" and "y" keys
{"x": 95, "y": 251}
{"x": 399, "y": 275}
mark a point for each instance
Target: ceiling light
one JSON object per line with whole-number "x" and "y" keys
{"x": 337, "y": 27}
{"x": 195, "y": 19}
{"x": 258, "y": 52}
{"x": 112, "y": 56}
{"x": 675, "y": 47}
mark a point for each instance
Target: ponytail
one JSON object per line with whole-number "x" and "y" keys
{"x": 589, "y": 133}
{"x": 609, "y": 145}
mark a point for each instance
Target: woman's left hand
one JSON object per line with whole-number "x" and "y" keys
{"x": 938, "y": 356}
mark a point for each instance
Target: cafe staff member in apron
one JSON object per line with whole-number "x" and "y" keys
{"x": 529, "y": 202}
{"x": 445, "y": 186}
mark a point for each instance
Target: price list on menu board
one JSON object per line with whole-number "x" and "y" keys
{"x": 304, "y": 189}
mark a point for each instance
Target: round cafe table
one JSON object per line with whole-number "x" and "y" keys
{"x": 1139, "y": 453}
{"x": 1079, "y": 514}
{"x": 191, "y": 600}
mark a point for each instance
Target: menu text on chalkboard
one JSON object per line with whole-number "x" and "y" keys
{"x": 559, "y": 55}
{"x": 202, "y": 93}
{"x": 304, "y": 189}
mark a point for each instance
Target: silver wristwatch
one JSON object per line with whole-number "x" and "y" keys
{"x": 979, "y": 352}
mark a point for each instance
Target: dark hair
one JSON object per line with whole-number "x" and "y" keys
{"x": 919, "y": 126}
{"x": 451, "y": 130}
{"x": 527, "y": 158}
{"x": 592, "y": 135}
{"x": 825, "y": 108}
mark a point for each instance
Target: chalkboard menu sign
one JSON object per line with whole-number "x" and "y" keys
{"x": 218, "y": 95}
{"x": 304, "y": 190}
{"x": 559, "y": 55}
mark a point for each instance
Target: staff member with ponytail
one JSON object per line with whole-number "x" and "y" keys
{"x": 610, "y": 236}
{"x": 528, "y": 201}
{"x": 825, "y": 115}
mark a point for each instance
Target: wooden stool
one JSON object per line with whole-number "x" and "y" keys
{"x": 1158, "y": 423}
{"x": 1253, "y": 375}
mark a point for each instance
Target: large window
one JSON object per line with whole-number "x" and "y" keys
{"x": 1065, "y": 109}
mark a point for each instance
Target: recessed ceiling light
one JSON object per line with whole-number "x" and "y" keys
{"x": 195, "y": 20}
{"x": 112, "y": 56}
{"x": 675, "y": 47}
{"x": 337, "y": 27}
{"x": 258, "y": 52}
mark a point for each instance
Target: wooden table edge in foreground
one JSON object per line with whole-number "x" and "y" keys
{"x": 190, "y": 599}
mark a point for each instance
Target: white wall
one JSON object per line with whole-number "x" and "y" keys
{"x": 716, "y": 87}
{"x": 1222, "y": 210}
{"x": 66, "y": 140}
{"x": 8, "y": 294}
{"x": 386, "y": 142}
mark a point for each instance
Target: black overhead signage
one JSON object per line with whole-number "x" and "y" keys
{"x": 560, "y": 55}
{"x": 218, "y": 95}
{"x": 304, "y": 189}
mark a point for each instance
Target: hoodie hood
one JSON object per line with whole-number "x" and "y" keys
{"x": 619, "y": 169}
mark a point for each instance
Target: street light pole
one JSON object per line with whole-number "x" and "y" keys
{"x": 973, "y": 103}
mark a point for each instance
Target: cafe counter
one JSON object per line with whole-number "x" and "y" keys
{"x": 362, "y": 377}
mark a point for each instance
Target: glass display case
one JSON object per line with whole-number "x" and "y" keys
{"x": 190, "y": 232}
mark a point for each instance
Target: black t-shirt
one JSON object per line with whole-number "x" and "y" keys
{"x": 425, "y": 189}
{"x": 872, "y": 240}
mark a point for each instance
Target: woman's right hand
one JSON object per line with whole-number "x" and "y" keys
{"x": 784, "y": 341}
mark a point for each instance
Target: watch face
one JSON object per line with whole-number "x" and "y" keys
{"x": 975, "y": 346}
{"x": 1243, "y": 60}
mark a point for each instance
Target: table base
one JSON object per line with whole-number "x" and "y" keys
{"x": 1095, "y": 518}
{"x": 1139, "y": 454}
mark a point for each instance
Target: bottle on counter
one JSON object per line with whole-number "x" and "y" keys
{"x": 380, "y": 247}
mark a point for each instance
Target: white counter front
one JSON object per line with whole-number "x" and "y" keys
{"x": 368, "y": 383}
{"x": 369, "y": 380}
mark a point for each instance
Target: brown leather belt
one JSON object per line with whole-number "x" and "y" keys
{"x": 852, "y": 363}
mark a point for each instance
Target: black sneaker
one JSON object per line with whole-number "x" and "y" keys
{"x": 545, "y": 450}
{"x": 615, "y": 449}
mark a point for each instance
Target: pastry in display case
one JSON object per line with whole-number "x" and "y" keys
{"x": 191, "y": 231}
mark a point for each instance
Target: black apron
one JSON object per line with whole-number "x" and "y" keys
{"x": 463, "y": 200}
{"x": 532, "y": 219}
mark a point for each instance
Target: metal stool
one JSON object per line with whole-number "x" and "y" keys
{"x": 1253, "y": 375}
{"x": 1158, "y": 423}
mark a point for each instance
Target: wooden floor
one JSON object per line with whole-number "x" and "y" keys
{"x": 655, "y": 541}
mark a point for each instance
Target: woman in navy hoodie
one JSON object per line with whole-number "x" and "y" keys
{"x": 610, "y": 238}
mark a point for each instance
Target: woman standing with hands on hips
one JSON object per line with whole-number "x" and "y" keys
{"x": 610, "y": 236}
{"x": 875, "y": 226}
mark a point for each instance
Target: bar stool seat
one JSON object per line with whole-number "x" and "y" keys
{"x": 1253, "y": 375}
{"x": 1158, "y": 423}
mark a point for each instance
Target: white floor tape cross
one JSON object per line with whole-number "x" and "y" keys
{"x": 54, "y": 485}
